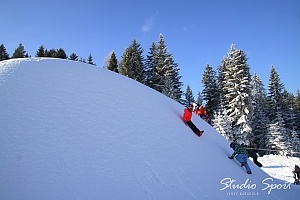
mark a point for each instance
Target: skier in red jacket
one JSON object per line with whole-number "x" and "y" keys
{"x": 200, "y": 111}
{"x": 187, "y": 119}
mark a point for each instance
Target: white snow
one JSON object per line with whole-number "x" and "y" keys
{"x": 280, "y": 167}
{"x": 70, "y": 130}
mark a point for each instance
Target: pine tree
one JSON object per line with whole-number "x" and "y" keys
{"x": 237, "y": 93}
{"x": 278, "y": 110}
{"x": 40, "y": 52}
{"x": 160, "y": 67}
{"x": 151, "y": 76}
{"x": 60, "y": 53}
{"x": 297, "y": 108}
{"x": 51, "y": 53}
{"x": 82, "y": 60}
{"x": 210, "y": 92}
{"x": 3, "y": 54}
{"x": 275, "y": 95}
{"x": 168, "y": 88}
{"x": 260, "y": 121}
{"x": 19, "y": 52}
{"x": 173, "y": 75}
{"x": 90, "y": 60}
{"x": 189, "y": 97}
{"x": 73, "y": 56}
{"x": 199, "y": 100}
{"x": 132, "y": 63}
{"x": 297, "y": 101}
{"x": 289, "y": 111}
{"x": 289, "y": 115}
{"x": 113, "y": 63}
{"x": 221, "y": 82}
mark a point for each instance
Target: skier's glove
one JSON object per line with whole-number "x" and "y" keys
{"x": 230, "y": 157}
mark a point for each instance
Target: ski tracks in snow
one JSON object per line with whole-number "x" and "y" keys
{"x": 186, "y": 181}
{"x": 154, "y": 183}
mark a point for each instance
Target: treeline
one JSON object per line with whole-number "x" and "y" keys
{"x": 42, "y": 52}
{"x": 243, "y": 110}
{"x": 240, "y": 106}
{"x": 157, "y": 70}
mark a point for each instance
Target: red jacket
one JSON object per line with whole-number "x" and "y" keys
{"x": 187, "y": 115}
{"x": 201, "y": 111}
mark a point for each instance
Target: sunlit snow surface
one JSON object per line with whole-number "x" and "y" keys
{"x": 70, "y": 130}
{"x": 280, "y": 167}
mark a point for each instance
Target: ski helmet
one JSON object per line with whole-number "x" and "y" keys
{"x": 232, "y": 145}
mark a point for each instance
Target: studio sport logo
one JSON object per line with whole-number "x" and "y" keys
{"x": 230, "y": 184}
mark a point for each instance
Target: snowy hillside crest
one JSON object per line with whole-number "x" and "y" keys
{"x": 70, "y": 130}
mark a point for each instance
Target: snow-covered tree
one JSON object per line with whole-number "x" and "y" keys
{"x": 260, "y": 121}
{"x": 222, "y": 124}
{"x": 297, "y": 101}
{"x": 289, "y": 111}
{"x": 297, "y": 108}
{"x": 276, "y": 137}
{"x": 295, "y": 143}
{"x": 279, "y": 110}
{"x": 237, "y": 93}
{"x": 275, "y": 95}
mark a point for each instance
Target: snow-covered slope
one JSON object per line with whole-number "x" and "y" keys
{"x": 70, "y": 130}
{"x": 280, "y": 167}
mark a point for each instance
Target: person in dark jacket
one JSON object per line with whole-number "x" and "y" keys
{"x": 252, "y": 153}
{"x": 187, "y": 119}
{"x": 241, "y": 155}
{"x": 296, "y": 173}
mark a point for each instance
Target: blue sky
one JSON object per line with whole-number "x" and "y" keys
{"x": 196, "y": 32}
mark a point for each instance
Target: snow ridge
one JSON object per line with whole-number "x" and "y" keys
{"x": 70, "y": 130}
